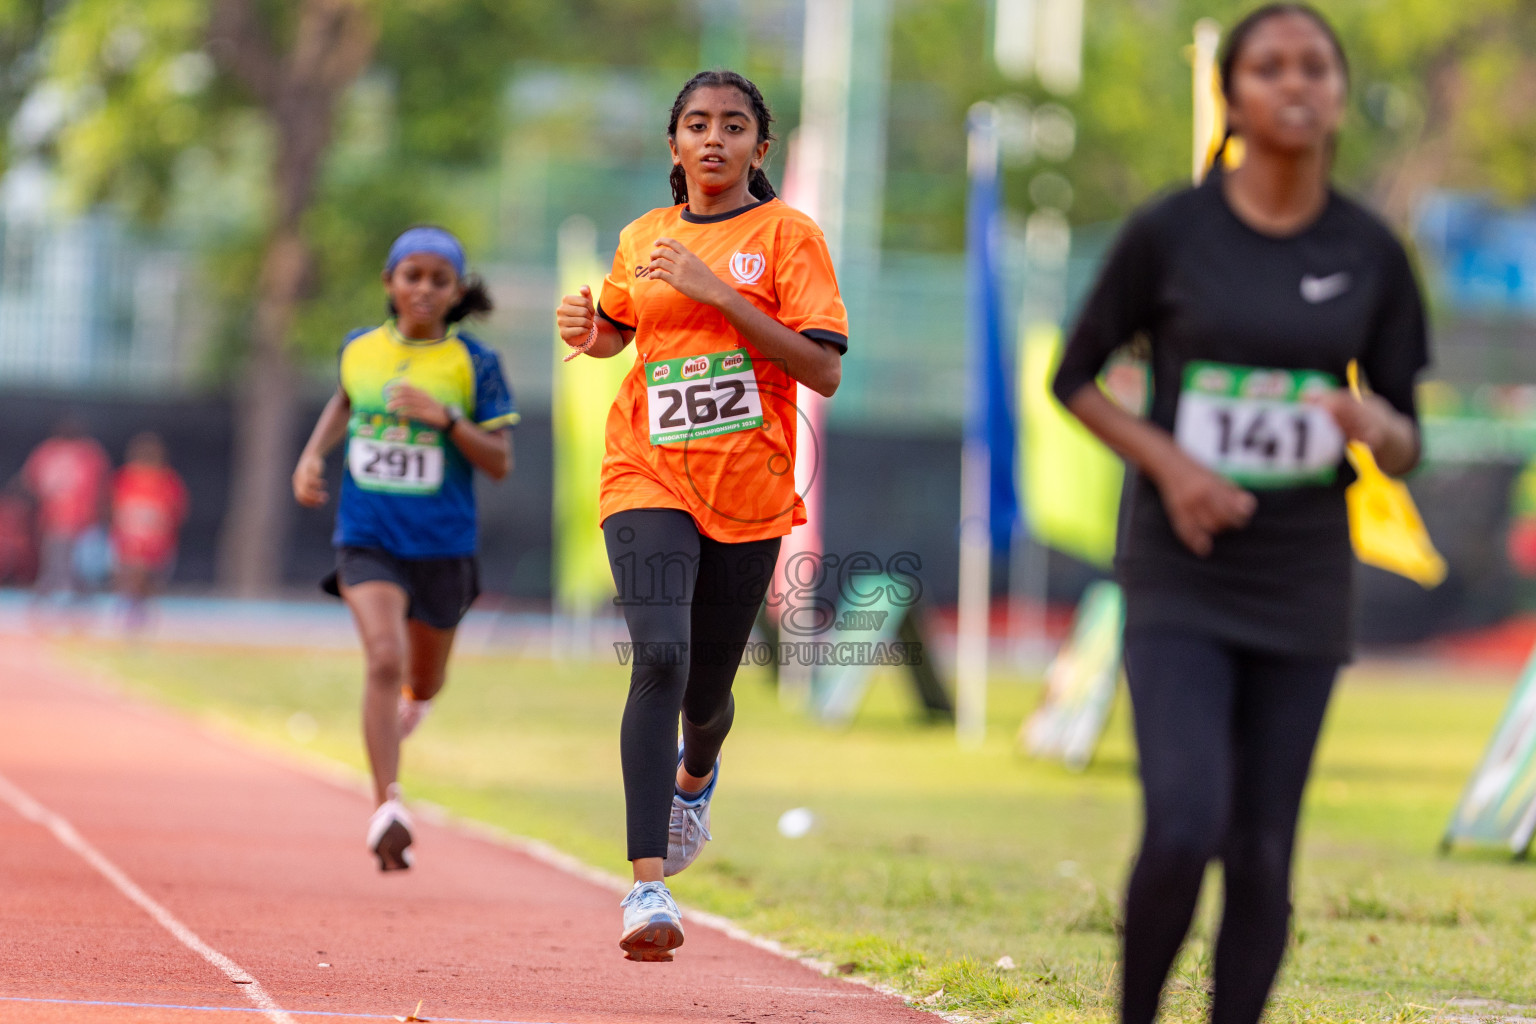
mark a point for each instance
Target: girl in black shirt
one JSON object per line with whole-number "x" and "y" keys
{"x": 1255, "y": 291}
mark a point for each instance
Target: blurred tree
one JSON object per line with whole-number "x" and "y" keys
{"x": 167, "y": 99}
{"x": 290, "y": 139}
{"x": 147, "y": 80}
{"x": 1448, "y": 98}
{"x": 21, "y": 29}
{"x": 1442, "y": 96}
{"x": 297, "y": 82}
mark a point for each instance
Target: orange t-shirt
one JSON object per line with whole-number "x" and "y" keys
{"x": 705, "y": 422}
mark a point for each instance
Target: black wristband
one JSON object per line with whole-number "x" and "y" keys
{"x": 453, "y": 421}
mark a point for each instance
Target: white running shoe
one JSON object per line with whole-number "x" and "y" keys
{"x": 389, "y": 833}
{"x": 653, "y": 926}
{"x": 410, "y": 714}
{"x": 688, "y": 828}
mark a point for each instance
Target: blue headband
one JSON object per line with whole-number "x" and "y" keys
{"x": 433, "y": 240}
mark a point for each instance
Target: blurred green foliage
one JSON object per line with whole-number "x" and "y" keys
{"x": 149, "y": 125}
{"x": 1441, "y": 96}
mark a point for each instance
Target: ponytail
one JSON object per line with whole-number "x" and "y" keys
{"x": 476, "y": 302}
{"x": 759, "y": 185}
{"x": 1217, "y": 166}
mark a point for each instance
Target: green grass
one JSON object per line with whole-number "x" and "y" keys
{"x": 929, "y": 863}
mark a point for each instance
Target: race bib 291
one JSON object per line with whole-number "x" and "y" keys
{"x": 395, "y": 458}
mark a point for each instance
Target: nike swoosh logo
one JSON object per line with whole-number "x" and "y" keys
{"x": 1321, "y": 289}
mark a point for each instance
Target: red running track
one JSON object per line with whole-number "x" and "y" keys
{"x": 152, "y": 872}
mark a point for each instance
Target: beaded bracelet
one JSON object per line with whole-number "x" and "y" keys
{"x": 586, "y": 345}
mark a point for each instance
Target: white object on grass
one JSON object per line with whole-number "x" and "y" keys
{"x": 796, "y": 822}
{"x": 302, "y": 727}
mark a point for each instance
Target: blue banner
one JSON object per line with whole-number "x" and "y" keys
{"x": 989, "y": 409}
{"x": 1483, "y": 257}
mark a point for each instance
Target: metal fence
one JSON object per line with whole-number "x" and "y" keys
{"x": 87, "y": 306}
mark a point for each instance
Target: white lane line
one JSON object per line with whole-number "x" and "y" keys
{"x": 353, "y": 782}
{"x": 544, "y": 853}
{"x": 805, "y": 990}
{"x": 65, "y": 833}
{"x": 332, "y": 1014}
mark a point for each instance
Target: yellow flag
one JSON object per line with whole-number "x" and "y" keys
{"x": 1071, "y": 481}
{"x": 1210, "y": 103}
{"x": 1384, "y": 523}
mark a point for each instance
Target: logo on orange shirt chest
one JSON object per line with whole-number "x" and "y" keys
{"x": 748, "y": 267}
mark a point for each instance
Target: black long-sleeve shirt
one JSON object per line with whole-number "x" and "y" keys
{"x": 1204, "y": 287}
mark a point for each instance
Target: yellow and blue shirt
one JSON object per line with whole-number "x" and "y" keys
{"x": 407, "y": 488}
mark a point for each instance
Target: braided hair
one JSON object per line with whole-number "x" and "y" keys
{"x": 757, "y": 182}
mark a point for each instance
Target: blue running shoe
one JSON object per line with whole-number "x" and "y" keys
{"x": 653, "y": 926}
{"x": 688, "y": 829}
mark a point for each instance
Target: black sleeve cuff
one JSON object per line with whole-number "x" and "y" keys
{"x": 1068, "y": 382}
{"x": 837, "y": 341}
{"x": 605, "y": 316}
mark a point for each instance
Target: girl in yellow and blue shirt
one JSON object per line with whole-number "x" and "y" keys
{"x": 420, "y": 406}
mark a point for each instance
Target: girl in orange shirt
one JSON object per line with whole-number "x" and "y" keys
{"x": 731, "y": 301}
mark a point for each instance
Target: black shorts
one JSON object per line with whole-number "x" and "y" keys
{"x": 440, "y": 590}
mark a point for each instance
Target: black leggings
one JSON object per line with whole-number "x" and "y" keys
{"x": 1225, "y": 738}
{"x": 690, "y": 603}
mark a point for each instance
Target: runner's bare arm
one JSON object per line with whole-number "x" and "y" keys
{"x": 816, "y": 364}
{"x": 309, "y": 475}
{"x": 575, "y": 316}
{"x": 1371, "y": 420}
{"x": 489, "y": 451}
{"x": 1200, "y": 504}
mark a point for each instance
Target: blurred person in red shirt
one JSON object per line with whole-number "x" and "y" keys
{"x": 18, "y": 554}
{"x": 67, "y": 475}
{"x": 149, "y": 504}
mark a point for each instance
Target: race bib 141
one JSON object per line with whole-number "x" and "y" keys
{"x": 702, "y": 396}
{"x": 1254, "y": 427}
{"x": 395, "y": 458}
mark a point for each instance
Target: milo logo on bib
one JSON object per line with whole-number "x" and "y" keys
{"x": 702, "y": 396}
{"x": 1255, "y": 426}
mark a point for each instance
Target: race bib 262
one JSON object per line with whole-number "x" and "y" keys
{"x": 702, "y": 396}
